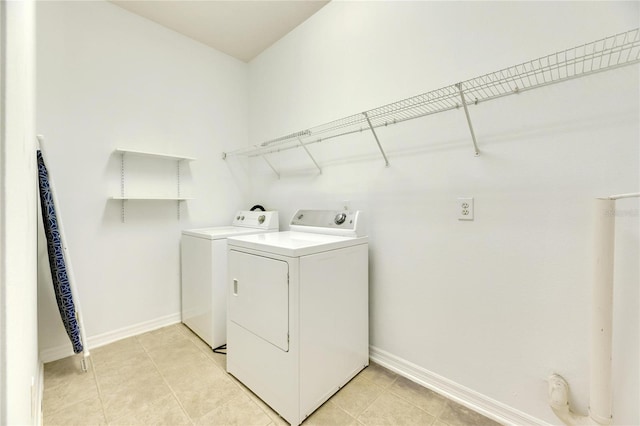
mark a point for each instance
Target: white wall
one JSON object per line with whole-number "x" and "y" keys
{"x": 19, "y": 366}
{"x": 497, "y": 304}
{"x": 109, "y": 79}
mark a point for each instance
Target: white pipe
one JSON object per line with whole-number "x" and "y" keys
{"x": 629, "y": 195}
{"x": 600, "y": 395}
{"x": 67, "y": 260}
{"x": 602, "y": 310}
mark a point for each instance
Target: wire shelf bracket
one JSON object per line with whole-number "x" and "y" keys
{"x": 605, "y": 54}
{"x": 264, "y": 157}
{"x": 309, "y": 154}
{"x": 386, "y": 160}
{"x": 466, "y": 113}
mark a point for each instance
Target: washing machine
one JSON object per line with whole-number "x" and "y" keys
{"x": 204, "y": 272}
{"x": 297, "y": 323}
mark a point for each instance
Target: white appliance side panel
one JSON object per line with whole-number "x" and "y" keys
{"x": 334, "y": 322}
{"x": 259, "y": 296}
{"x": 197, "y": 291}
{"x": 219, "y": 297}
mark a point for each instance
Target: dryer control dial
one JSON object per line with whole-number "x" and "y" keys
{"x": 261, "y": 219}
{"x": 340, "y": 218}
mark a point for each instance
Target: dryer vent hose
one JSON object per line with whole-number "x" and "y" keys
{"x": 257, "y": 207}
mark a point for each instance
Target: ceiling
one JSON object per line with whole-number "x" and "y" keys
{"x": 242, "y": 29}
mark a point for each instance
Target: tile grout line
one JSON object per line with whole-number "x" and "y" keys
{"x": 435, "y": 417}
{"x": 384, "y": 389}
{"x": 188, "y": 333}
{"x": 95, "y": 379}
{"x": 387, "y": 389}
{"x": 173, "y": 393}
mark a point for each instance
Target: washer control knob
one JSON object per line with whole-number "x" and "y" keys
{"x": 242, "y": 218}
{"x": 340, "y": 218}
{"x": 261, "y": 219}
{"x": 238, "y": 218}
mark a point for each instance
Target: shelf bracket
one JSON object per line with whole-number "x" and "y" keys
{"x": 386, "y": 160}
{"x": 271, "y": 165}
{"x": 466, "y": 112}
{"x": 178, "y": 184}
{"x": 310, "y": 156}
{"x": 122, "y": 187}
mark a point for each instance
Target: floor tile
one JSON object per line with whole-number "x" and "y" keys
{"x": 117, "y": 375}
{"x": 164, "y": 411}
{"x": 378, "y": 375}
{"x": 183, "y": 375}
{"x": 162, "y": 337}
{"x": 357, "y": 395}
{"x": 171, "y": 377}
{"x": 275, "y": 417}
{"x": 117, "y": 353}
{"x": 329, "y": 414}
{"x": 83, "y": 413}
{"x": 204, "y": 396}
{"x": 132, "y": 396}
{"x": 455, "y": 414}
{"x": 240, "y": 411}
{"x": 65, "y": 371}
{"x": 62, "y": 396}
{"x": 177, "y": 355}
{"x": 418, "y": 395}
{"x": 390, "y": 409}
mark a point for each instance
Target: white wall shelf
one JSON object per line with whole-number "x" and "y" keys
{"x": 605, "y": 54}
{"x": 149, "y": 198}
{"x": 123, "y": 196}
{"x": 154, "y": 154}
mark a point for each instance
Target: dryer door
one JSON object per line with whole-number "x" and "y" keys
{"x": 259, "y": 296}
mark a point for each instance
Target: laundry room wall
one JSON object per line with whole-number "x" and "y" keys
{"x": 20, "y": 373}
{"x": 487, "y": 309}
{"x": 110, "y": 79}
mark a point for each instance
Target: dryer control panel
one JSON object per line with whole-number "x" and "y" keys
{"x": 333, "y": 222}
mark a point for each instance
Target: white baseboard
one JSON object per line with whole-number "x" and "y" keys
{"x": 476, "y": 401}
{"x": 63, "y": 351}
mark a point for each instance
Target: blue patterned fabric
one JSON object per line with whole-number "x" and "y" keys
{"x": 61, "y": 285}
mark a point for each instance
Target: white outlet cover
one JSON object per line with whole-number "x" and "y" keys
{"x": 465, "y": 208}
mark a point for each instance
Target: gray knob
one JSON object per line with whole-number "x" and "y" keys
{"x": 340, "y": 218}
{"x": 261, "y": 219}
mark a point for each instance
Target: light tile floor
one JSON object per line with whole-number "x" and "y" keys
{"x": 170, "y": 377}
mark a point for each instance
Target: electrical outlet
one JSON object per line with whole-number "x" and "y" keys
{"x": 465, "y": 208}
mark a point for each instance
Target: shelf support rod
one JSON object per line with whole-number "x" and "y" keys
{"x": 309, "y": 154}
{"x": 178, "y": 182}
{"x": 386, "y": 160}
{"x": 271, "y": 165}
{"x": 466, "y": 112}
{"x": 122, "y": 187}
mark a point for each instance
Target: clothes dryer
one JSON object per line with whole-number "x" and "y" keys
{"x": 297, "y": 324}
{"x": 204, "y": 272}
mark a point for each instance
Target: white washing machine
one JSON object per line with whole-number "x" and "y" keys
{"x": 204, "y": 272}
{"x": 298, "y": 322}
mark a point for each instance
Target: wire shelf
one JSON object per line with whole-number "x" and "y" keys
{"x": 605, "y": 54}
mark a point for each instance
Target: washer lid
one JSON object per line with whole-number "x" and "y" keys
{"x": 219, "y": 232}
{"x": 294, "y": 244}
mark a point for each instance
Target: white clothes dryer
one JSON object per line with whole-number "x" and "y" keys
{"x": 204, "y": 272}
{"x": 297, "y": 323}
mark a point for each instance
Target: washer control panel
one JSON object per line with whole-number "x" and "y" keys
{"x": 340, "y": 222}
{"x": 256, "y": 219}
